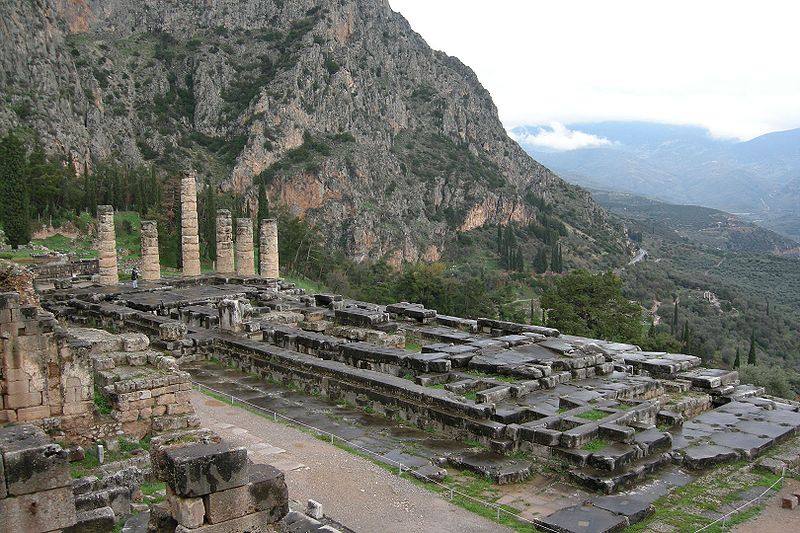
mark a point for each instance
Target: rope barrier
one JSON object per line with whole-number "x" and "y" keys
{"x": 400, "y": 467}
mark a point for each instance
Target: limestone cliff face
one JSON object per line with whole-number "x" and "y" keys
{"x": 339, "y": 107}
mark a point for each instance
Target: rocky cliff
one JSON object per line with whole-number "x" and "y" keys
{"x": 338, "y": 107}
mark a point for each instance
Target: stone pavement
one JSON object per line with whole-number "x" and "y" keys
{"x": 352, "y": 490}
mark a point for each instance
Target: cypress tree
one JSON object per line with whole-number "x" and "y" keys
{"x": 674, "y": 326}
{"x": 738, "y": 361}
{"x": 210, "y": 222}
{"x": 751, "y": 355}
{"x": 499, "y": 239}
{"x": 554, "y": 258}
{"x": 263, "y": 202}
{"x": 14, "y": 193}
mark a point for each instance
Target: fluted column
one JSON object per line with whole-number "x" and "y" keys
{"x": 107, "y": 245}
{"x": 245, "y": 261}
{"x": 190, "y": 240}
{"x": 268, "y": 248}
{"x": 151, "y": 264}
{"x": 224, "y": 242}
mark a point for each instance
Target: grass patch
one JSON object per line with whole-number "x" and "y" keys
{"x": 472, "y": 395}
{"x": 595, "y": 445}
{"x": 594, "y": 414}
{"x": 101, "y": 402}
{"x": 413, "y": 346}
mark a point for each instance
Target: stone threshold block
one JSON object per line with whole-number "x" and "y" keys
{"x": 200, "y": 469}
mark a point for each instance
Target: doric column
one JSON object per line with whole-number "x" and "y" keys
{"x": 268, "y": 248}
{"x": 245, "y": 261}
{"x": 151, "y": 265}
{"x": 224, "y": 242}
{"x": 190, "y": 241}
{"x": 107, "y": 245}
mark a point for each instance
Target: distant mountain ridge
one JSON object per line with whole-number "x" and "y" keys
{"x": 759, "y": 178}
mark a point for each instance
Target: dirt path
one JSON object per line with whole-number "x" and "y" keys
{"x": 352, "y": 490}
{"x": 774, "y": 519}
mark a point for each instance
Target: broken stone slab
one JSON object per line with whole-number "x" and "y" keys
{"x": 771, "y": 465}
{"x": 705, "y": 455}
{"x": 487, "y": 325}
{"x": 199, "y": 469}
{"x": 429, "y": 473}
{"x": 32, "y": 462}
{"x": 499, "y": 468}
{"x": 494, "y": 394}
{"x": 634, "y": 508}
{"x": 55, "y": 509}
{"x": 100, "y": 520}
{"x": 583, "y": 518}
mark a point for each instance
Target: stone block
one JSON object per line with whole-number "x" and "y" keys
{"x": 120, "y": 500}
{"x": 314, "y": 510}
{"x": 228, "y": 504}
{"x": 200, "y": 469}
{"x": 789, "y": 502}
{"x": 268, "y": 488}
{"x": 161, "y": 520}
{"x": 91, "y": 500}
{"x": 100, "y": 520}
{"x": 25, "y": 399}
{"x": 54, "y": 509}
{"x": 29, "y": 414}
{"x": 32, "y": 462}
{"x": 252, "y": 523}
{"x": 188, "y": 512}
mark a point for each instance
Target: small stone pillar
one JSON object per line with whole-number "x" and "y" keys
{"x": 107, "y": 245}
{"x": 268, "y": 252}
{"x": 245, "y": 261}
{"x": 151, "y": 265}
{"x": 190, "y": 240}
{"x": 224, "y": 242}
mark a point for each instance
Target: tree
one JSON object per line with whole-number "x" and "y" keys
{"x": 738, "y": 361}
{"x": 209, "y": 223}
{"x": 674, "y": 325}
{"x": 582, "y": 303}
{"x": 14, "y": 193}
{"x": 751, "y": 355}
{"x": 263, "y": 203}
{"x": 540, "y": 261}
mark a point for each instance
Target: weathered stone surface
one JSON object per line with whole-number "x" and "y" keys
{"x": 200, "y": 469}
{"x": 268, "y": 248}
{"x": 252, "y": 523}
{"x": 100, "y": 520}
{"x": 245, "y": 260}
{"x": 55, "y": 509}
{"x": 583, "y": 518}
{"x": 32, "y": 462}
{"x": 151, "y": 263}
{"x": 225, "y": 261}
{"x": 107, "y": 245}
{"x": 172, "y": 331}
{"x": 188, "y": 512}
{"x": 268, "y": 489}
{"x": 190, "y": 241}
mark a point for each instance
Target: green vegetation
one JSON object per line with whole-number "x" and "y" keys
{"x": 595, "y": 445}
{"x": 594, "y": 414}
{"x": 582, "y": 303}
{"x": 90, "y": 463}
{"x": 101, "y": 402}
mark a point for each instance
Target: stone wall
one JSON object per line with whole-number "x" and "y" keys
{"x": 107, "y": 245}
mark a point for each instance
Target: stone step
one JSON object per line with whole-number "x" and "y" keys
{"x": 612, "y": 482}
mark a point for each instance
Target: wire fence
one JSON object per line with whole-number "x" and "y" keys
{"x": 451, "y": 491}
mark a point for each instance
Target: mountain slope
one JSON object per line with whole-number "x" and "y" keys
{"x": 683, "y": 164}
{"x": 339, "y": 108}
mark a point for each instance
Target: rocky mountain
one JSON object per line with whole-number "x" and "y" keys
{"x": 685, "y": 165}
{"x": 338, "y": 107}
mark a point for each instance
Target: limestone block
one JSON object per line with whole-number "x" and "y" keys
{"x": 228, "y": 504}
{"x": 188, "y": 512}
{"x": 134, "y": 342}
{"x": 252, "y": 523}
{"x": 200, "y": 469}
{"x": 172, "y": 331}
{"x": 268, "y": 488}
{"x": 100, "y": 520}
{"x": 55, "y": 509}
{"x": 314, "y": 509}
{"x": 161, "y": 520}
{"x": 160, "y": 444}
{"x": 29, "y": 414}
{"x": 266, "y": 492}
{"x": 32, "y": 461}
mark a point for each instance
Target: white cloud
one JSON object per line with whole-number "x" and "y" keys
{"x": 560, "y": 138}
{"x": 722, "y": 64}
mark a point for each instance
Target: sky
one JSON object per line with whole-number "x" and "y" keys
{"x": 730, "y": 66}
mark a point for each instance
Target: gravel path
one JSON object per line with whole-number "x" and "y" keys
{"x": 774, "y": 519}
{"x": 353, "y": 491}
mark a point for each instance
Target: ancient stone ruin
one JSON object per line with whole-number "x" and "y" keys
{"x": 225, "y": 262}
{"x": 190, "y": 239}
{"x": 245, "y": 261}
{"x": 268, "y": 248}
{"x": 107, "y": 245}
{"x": 151, "y": 265}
